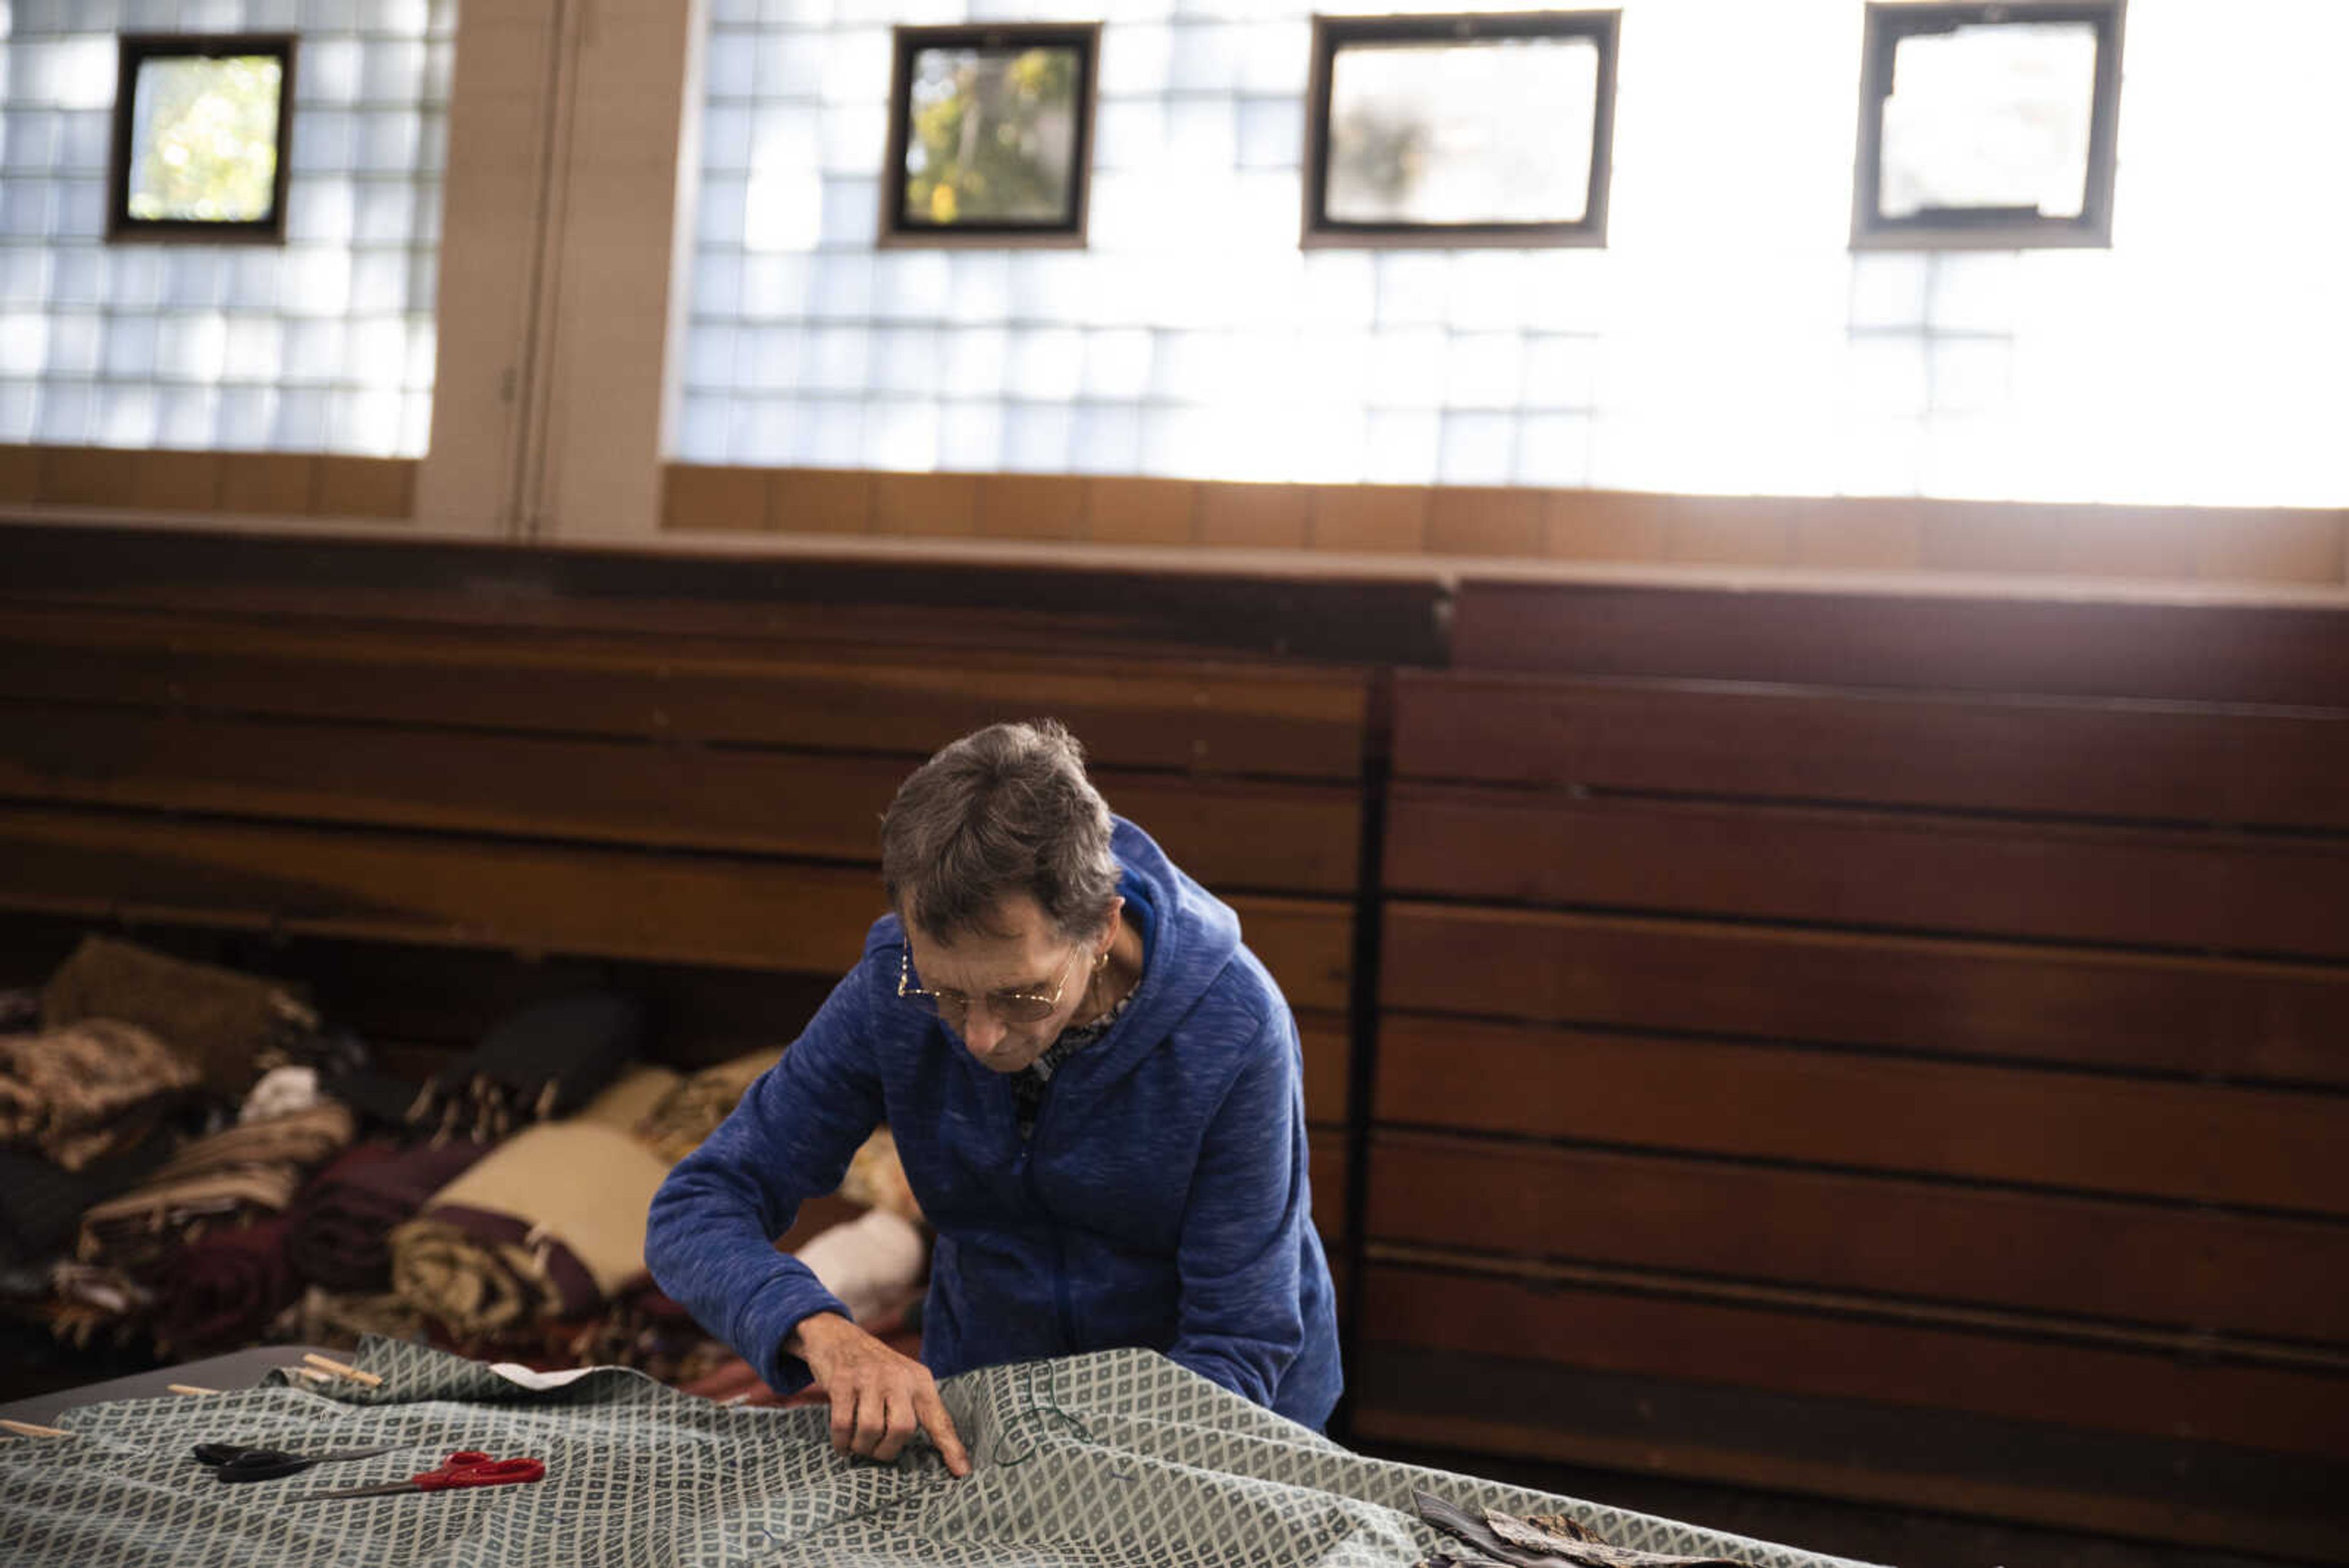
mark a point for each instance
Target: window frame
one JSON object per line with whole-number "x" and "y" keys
{"x": 1888, "y": 22}
{"x": 134, "y": 50}
{"x": 1319, "y": 231}
{"x": 1068, "y": 231}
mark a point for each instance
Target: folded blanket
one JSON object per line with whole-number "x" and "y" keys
{"x": 247, "y": 1172}
{"x": 220, "y": 1020}
{"x": 42, "y": 1203}
{"x": 342, "y": 1222}
{"x": 87, "y": 1090}
{"x": 544, "y": 1062}
{"x": 551, "y": 1223}
{"x": 690, "y": 1113}
{"x": 224, "y": 1289}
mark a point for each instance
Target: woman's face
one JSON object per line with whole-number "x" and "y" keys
{"x": 1029, "y": 956}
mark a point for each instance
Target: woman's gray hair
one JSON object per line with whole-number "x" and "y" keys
{"x": 1004, "y": 811}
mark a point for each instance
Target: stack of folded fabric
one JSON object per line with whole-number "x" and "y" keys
{"x": 549, "y": 1224}
{"x": 86, "y": 1091}
{"x": 690, "y": 1113}
{"x": 245, "y": 1173}
{"x": 545, "y": 1062}
{"x": 231, "y": 1026}
{"x": 342, "y": 1223}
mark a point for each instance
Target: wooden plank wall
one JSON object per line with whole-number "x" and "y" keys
{"x": 1837, "y": 1006}
{"x": 645, "y": 770}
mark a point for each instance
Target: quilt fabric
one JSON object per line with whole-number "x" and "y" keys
{"x": 1116, "y": 1458}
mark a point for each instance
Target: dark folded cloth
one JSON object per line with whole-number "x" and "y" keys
{"x": 217, "y": 1018}
{"x": 42, "y": 1203}
{"x": 223, "y": 1291}
{"x": 378, "y": 1099}
{"x": 342, "y": 1222}
{"x": 541, "y": 1064}
{"x": 20, "y": 1010}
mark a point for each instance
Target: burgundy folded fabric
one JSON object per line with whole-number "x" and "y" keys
{"x": 342, "y": 1222}
{"x": 224, "y": 1289}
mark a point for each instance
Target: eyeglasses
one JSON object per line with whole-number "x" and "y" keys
{"x": 1005, "y": 1006}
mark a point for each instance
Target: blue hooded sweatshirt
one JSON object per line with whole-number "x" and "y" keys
{"x": 1159, "y": 1202}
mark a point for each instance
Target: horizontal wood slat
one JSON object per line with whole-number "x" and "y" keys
{"x": 2216, "y": 892}
{"x": 678, "y": 908}
{"x": 2187, "y": 651}
{"x": 1231, "y": 833}
{"x": 1810, "y": 1352}
{"x": 2239, "y": 1499}
{"x": 2213, "y": 1017}
{"x": 2164, "y": 761}
{"x": 1207, "y": 717}
{"x": 2072, "y": 1257}
{"x": 2198, "y": 1142}
{"x": 1061, "y": 610}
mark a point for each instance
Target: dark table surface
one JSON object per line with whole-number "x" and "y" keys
{"x": 237, "y": 1369}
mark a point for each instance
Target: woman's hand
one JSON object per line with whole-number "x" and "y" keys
{"x": 879, "y": 1398}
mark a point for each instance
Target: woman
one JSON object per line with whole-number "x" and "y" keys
{"x": 1095, "y": 1091}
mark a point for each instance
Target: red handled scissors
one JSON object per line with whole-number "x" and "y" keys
{"x": 467, "y": 1467}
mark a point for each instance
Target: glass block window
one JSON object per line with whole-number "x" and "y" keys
{"x": 1193, "y": 337}
{"x": 1460, "y": 129}
{"x": 201, "y": 127}
{"x": 1988, "y": 124}
{"x": 990, "y": 131}
{"x": 322, "y": 343}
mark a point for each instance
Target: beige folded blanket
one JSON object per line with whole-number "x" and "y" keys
{"x": 551, "y": 1223}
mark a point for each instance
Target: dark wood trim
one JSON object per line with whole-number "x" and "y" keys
{"x": 2159, "y": 760}
{"x": 1188, "y": 715}
{"x": 1781, "y": 1350}
{"x": 517, "y": 589}
{"x": 2208, "y": 892}
{"x": 2225, "y": 1275}
{"x": 2179, "y": 1140}
{"x": 2196, "y": 653}
{"x": 1972, "y": 1000}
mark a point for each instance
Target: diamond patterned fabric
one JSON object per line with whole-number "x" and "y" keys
{"x": 1119, "y": 1457}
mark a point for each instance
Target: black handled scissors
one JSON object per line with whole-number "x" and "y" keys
{"x": 466, "y": 1467}
{"x": 245, "y": 1463}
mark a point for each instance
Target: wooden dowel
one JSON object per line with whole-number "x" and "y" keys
{"x": 189, "y": 1388}
{"x": 309, "y": 1374}
{"x": 329, "y": 1364}
{"x": 28, "y": 1429}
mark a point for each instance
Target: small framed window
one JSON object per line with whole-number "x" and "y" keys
{"x": 990, "y": 135}
{"x": 1988, "y": 125}
{"x": 201, "y": 126}
{"x": 1488, "y": 130}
